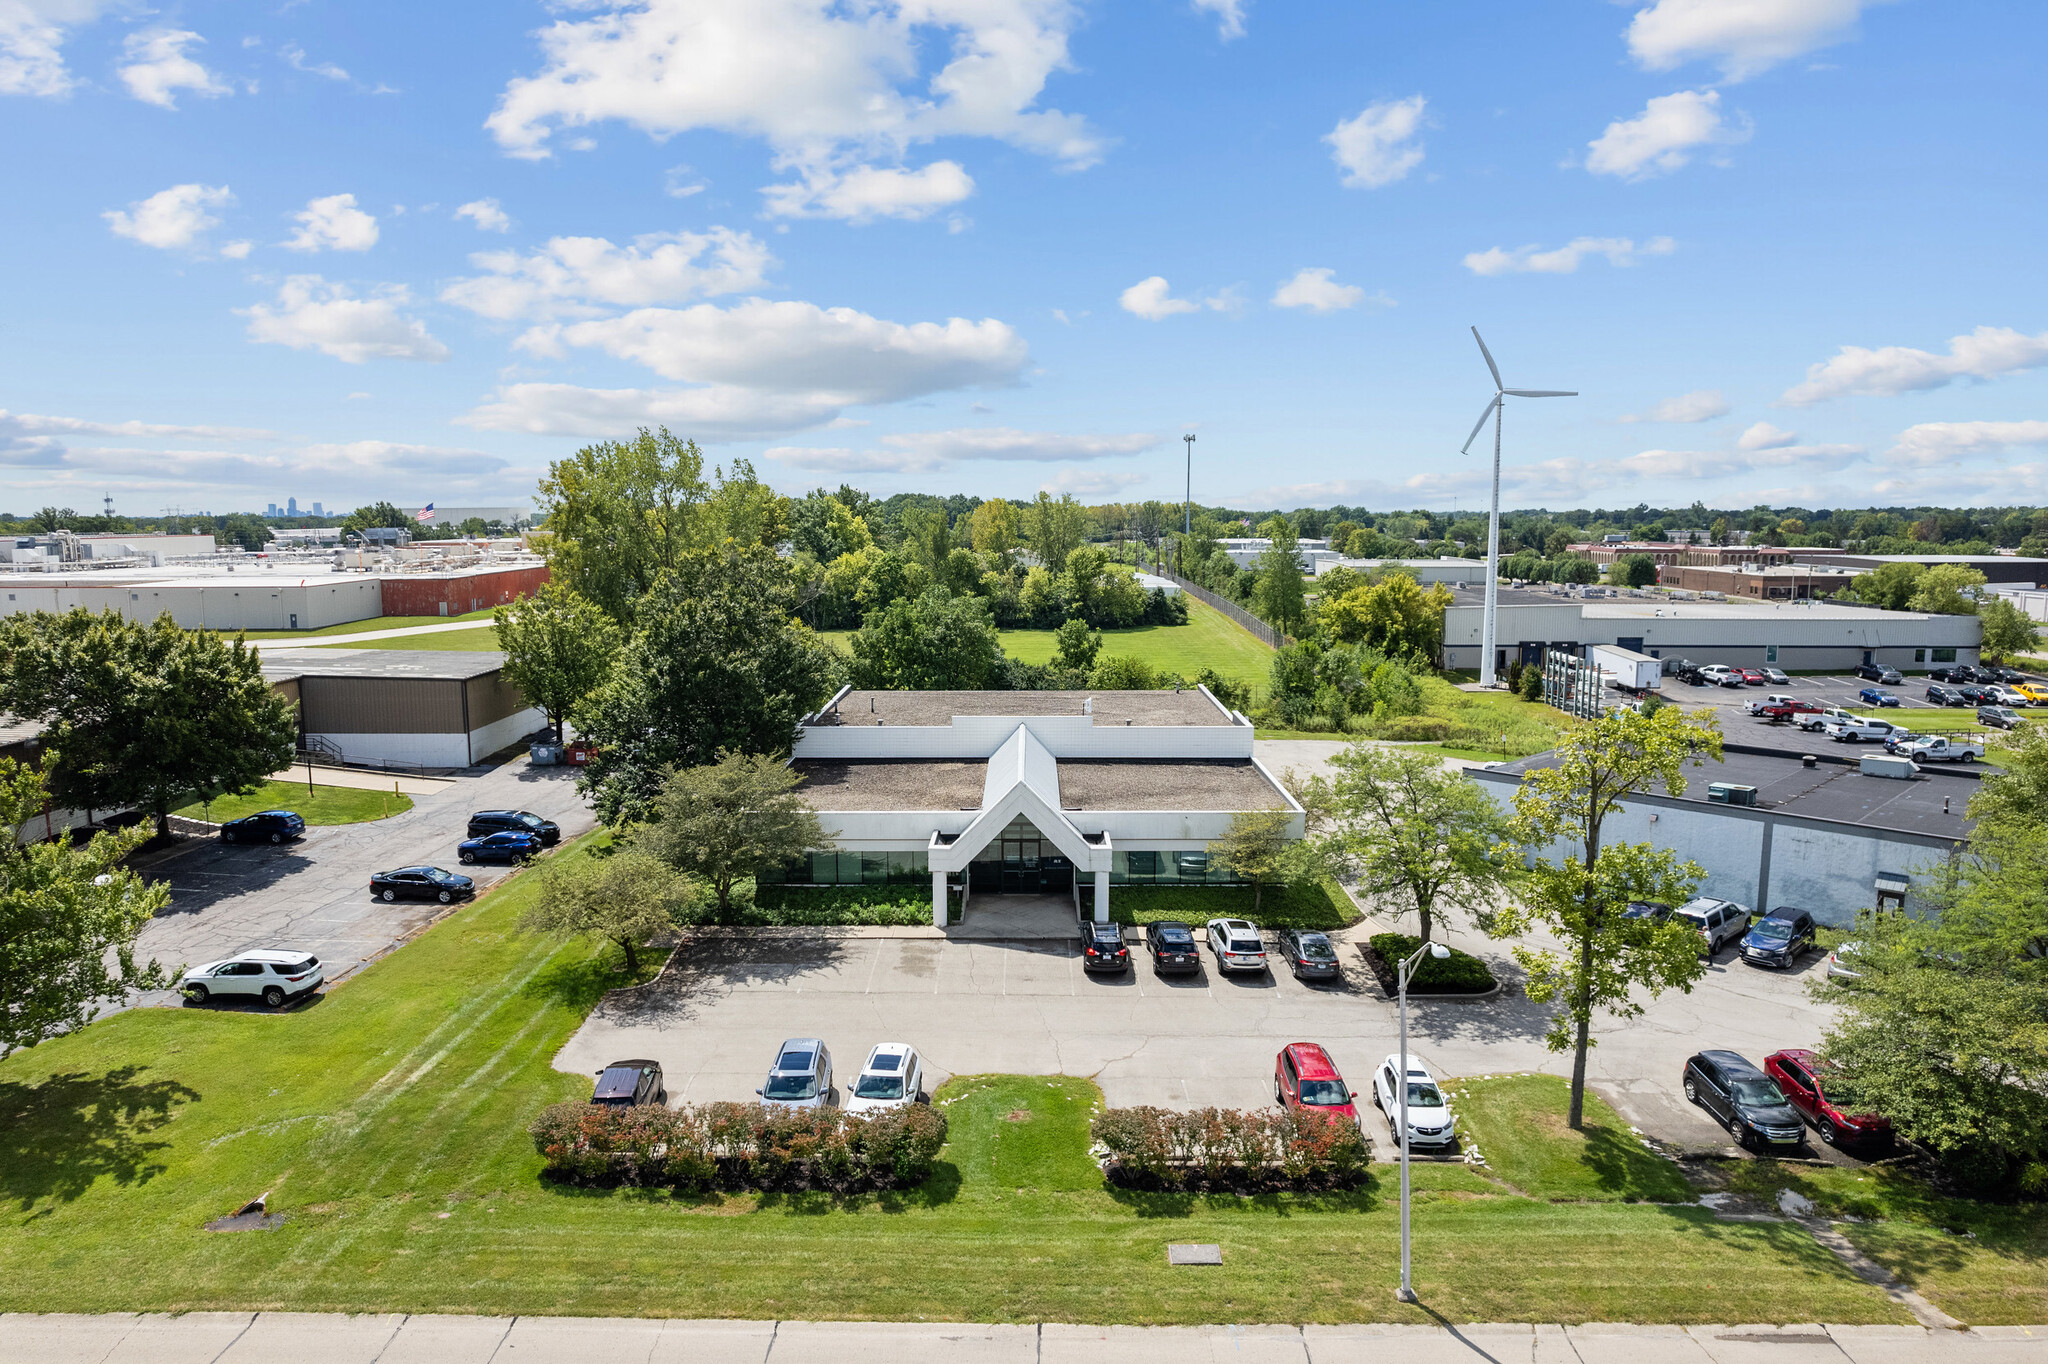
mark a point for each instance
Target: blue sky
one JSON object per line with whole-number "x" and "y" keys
{"x": 1786, "y": 249}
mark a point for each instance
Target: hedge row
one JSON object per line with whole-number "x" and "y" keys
{"x": 739, "y": 1146}
{"x": 1315, "y": 904}
{"x": 1461, "y": 973}
{"x": 1231, "y": 1149}
{"x": 781, "y": 906}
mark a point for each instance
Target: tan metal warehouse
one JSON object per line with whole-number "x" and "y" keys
{"x": 403, "y": 705}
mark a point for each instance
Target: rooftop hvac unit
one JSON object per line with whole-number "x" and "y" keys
{"x": 1731, "y": 793}
{"x": 1889, "y": 765}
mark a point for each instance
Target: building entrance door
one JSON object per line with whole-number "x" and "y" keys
{"x": 1019, "y": 861}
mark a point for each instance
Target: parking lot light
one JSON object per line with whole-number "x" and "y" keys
{"x": 1406, "y": 1293}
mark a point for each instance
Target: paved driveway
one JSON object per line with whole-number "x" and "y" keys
{"x": 314, "y": 894}
{"x": 715, "y": 1018}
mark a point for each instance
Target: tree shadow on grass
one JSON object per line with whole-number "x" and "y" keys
{"x": 1620, "y": 1164}
{"x": 59, "y": 1137}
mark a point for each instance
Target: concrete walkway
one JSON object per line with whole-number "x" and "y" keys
{"x": 358, "y": 779}
{"x": 308, "y": 1338}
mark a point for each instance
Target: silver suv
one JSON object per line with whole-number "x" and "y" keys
{"x": 1719, "y": 922}
{"x": 801, "y": 1076}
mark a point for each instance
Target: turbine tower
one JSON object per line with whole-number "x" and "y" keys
{"x": 1493, "y": 410}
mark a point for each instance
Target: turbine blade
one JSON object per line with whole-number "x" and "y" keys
{"x": 1538, "y": 393}
{"x": 1480, "y": 424}
{"x": 1489, "y": 358}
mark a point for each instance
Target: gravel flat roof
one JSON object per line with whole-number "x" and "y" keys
{"x": 1126, "y": 784}
{"x": 891, "y": 785}
{"x": 934, "y": 709}
{"x": 447, "y": 665}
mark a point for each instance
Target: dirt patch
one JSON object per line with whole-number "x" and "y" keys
{"x": 1018, "y": 1115}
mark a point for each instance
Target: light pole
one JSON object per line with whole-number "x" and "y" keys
{"x": 1439, "y": 951}
{"x": 1187, "y": 507}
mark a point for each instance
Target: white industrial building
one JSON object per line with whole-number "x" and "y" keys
{"x": 1827, "y": 837}
{"x": 988, "y": 793}
{"x": 1798, "y": 636}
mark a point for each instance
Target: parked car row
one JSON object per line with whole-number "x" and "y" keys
{"x": 1768, "y": 1108}
{"x": 512, "y": 836}
{"x": 1304, "y": 1076}
{"x": 1236, "y": 944}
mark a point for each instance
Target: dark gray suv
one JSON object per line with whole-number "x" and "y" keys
{"x": 515, "y": 822}
{"x": 1744, "y": 1100}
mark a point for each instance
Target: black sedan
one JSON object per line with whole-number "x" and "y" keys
{"x": 505, "y": 847}
{"x": 1309, "y": 955}
{"x": 421, "y": 883}
{"x": 265, "y": 826}
{"x": 1102, "y": 948}
{"x": 1172, "y": 945}
{"x": 515, "y": 821}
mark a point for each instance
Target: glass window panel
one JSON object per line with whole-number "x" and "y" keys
{"x": 874, "y": 868}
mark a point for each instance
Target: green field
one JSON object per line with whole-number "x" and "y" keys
{"x": 482, "y": 639}
{"x": 324, "y": 805}
{"x": 388, "y": 1120}
{"x": 356, "y": 627}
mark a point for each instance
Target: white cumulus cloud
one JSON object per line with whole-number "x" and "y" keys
{"x": 1932, "y": 443}
{"x": 1564, "y": 260}
{"x": 171, "y": 219}
{"x": 1664, "y": 136}
{"x": 1891, "y": 370}
{"x": 157, "y": 66}
{"x": 333, "y": 223}
{"x": 487, "y": 214}
{"x": 1764, "y": 436}
{"x": 1700, "y": 405}
{"x": 579, "y": 276}
{"x": 1744, "y": 37}
{"x": 32, "y": 34}
{"x": 1315, "y": 287}
{"x": 1704, "y": 464}
{"x": 861, "y": 194}
{"x": 927, "y": 451}
{"x": 1379, "y": 146}
{"x": 295, "y": 57}
{"x": 1152, "y": 299}
{"x": 1229, "y": 16}
{"x": 309, "y": 313}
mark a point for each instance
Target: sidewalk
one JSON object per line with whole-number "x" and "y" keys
{"x": 308, "y": 1338}
{"x": 361, "y": 779}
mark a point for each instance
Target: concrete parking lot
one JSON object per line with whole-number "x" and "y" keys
{"x": 1025, "y": 1005}
{"x": 314, "y": 894}
{"x": 1832, "y": 690}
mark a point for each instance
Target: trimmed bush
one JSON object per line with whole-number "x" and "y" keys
{"x": 1461, "y": 973}
{"x": 1231, "y": 1149}
{"x": 1305, "y": 904}
{"x": 739, "y": 1146}
{"x": 810, "y": 906}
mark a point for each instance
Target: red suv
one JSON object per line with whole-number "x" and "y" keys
{"x": 1305, "y": 1077}
{"x": 1799, "y": 1074}
{"x": 1753, "y": 677}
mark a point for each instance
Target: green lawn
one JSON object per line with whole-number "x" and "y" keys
{"x": 324, "y": 804}
{"x": 1518, "y": 1124}
{"x": 356, "y": 627}
{"x": 479, "y": 640}
{"x": 388, "y": 1122}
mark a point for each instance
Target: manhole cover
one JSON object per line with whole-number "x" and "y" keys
{"x": 1194, "y": 1255}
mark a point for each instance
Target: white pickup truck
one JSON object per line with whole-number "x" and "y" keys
{"x": 1857, "y": 729}
{"x": 1941, "y": 749}
{"x": 1814, "y": 720}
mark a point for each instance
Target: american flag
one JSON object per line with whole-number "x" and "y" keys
{"x": 424, "y": 514}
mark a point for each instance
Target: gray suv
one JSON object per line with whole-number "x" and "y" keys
{"x": 1720, "y": 922}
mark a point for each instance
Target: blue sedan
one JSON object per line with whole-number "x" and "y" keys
{"x": 1871, "y": 696}
{"x": 509, "y": 846}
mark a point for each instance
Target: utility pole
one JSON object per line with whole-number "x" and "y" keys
{"x": 1187, "y": 507}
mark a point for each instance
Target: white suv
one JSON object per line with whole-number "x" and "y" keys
{"x": 1237, "y": 945}
{"x": 276, "y": 978}
{"x": 1429, "y": 1116}
{"x": 891, "y": 1077}
{"x": 1719, "y": 921}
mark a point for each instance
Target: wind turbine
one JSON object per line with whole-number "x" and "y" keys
{"x": 1493, "y": 410}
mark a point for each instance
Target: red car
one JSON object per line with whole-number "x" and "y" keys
{"x": 1805, "y": 1083}
{"x": 1786, "y": 710}
{"x": 1305, "y": 1077}
{"x": 1753, "y": 677}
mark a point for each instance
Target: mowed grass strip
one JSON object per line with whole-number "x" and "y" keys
{"x": 319, "y": 805}
{"x": 388, "y": 1122}
{"x": 1518, "y": 1124}
{"x": 356, "y": 627}
{"x": 479, "y": 640}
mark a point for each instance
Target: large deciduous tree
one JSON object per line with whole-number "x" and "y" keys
{"x": 1578, "y": 887}
{"x": 2007, "y": 630}
{"x": 1418, "y": 836}
{"x": 1054, "y": 528}
{"x": 1395, "y": 616}
{"x": 1256, "y": 849}
{"x": 558, "y": 648}
{"x": 619, "y": 514}
{"x": 68, "y": 920}
{"x": 143, "y": 715}
{"x": 716, "y": 661}
{"x": 1948, "y": 590}
{"x": 622, "y": 893}
{"x": 732, "y": 820}
{"x": 934, "y": 642}
{"x": 1279, "y": 594}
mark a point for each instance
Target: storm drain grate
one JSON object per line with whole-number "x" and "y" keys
{"x": 1194, "y": 1255}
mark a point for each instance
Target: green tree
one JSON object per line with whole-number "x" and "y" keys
{"x": 744, "y": 510}
{"x": 68, "y": 920}
{"x": 1055, "y": 527}
{"x": 1256, "y": 849}
{"x": 1395, "y": 616}
{"x": 934, "y": 642}
{"x": 731, "y": 820}
{"x": 621, "y": 893}
{"x": 619, "y": 514}
{"x": 1077, "y": 645}
{"x": 558, "y": 649}
{"x": 2007, "y": 630}
{"x": 1532, "y": 682}
{"x": 142, "y": 715}
{"x": 1423, "y": 837}
{"x": 1945, "y": 1031}
{"x": 1279, "y": 594}
{"x": 995, "y": 527}
{"x": 820, "y": 524}
{"x": 1578, "y": 889}
{"x": 241, "y": 529}
{"x": 1633, "y": 570}
{"x": 1948, "y": 590}
{"x": 1122, "y": 673}
{"x": 716, "y": 661}
{"x": 376, "y": 516}
{"x": 1892, "y": 586}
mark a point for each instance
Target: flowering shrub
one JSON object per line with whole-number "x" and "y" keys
{"x": 739, "y": 1146}
{"x": 1231, "y": 1148}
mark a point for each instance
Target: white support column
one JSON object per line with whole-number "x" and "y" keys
{"x": 1102, "y": 897}
{"x": 938, "y": 899}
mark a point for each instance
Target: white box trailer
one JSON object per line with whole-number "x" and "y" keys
{"x": 1627, "y": 669}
